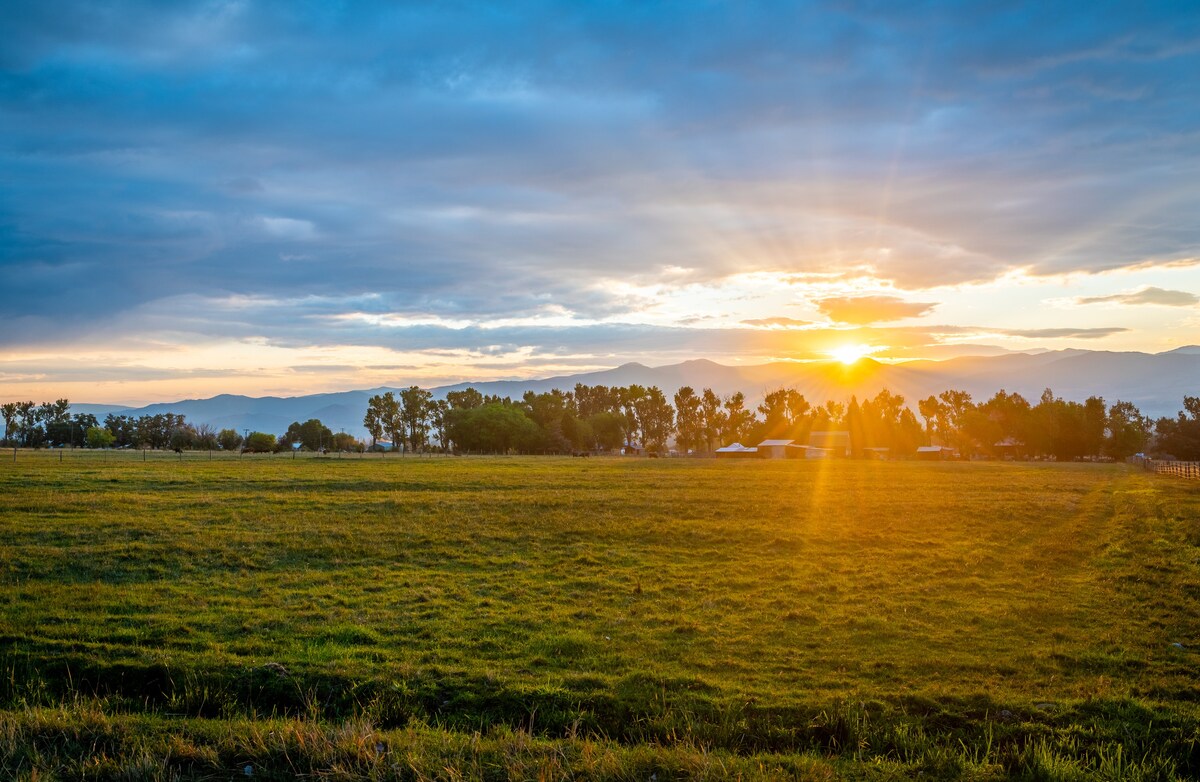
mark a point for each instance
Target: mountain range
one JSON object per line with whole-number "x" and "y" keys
{"x": 1155, "y": 382}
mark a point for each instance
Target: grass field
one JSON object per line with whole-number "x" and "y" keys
{"x": 600, "y": 618}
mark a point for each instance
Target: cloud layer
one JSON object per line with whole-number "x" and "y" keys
{"x": 481, "y": 163}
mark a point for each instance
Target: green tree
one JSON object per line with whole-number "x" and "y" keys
{"x": 346, "y": 442}
{"x": 122, "y": 427}
{"x": 737, "y": 420}
{"x": 28, "y": 413}
{"x": 466, "y": 399}
{"x": 438, "y": 410}
{"x": 607, "y": 430}
{"x": 548, "y": 410}
{"x": 100, "y": 438}
{"x": 229, "y": 440}
{"x": 383, "y": 418}
{"x": 260, "y": 442}
{"x": 656, "y": 419}
{"x": 712, "y": 417}
{"x": 591, "y": 400}
{"x": 312, "y": 435}
{"x": 414, "y": 414}
{"x": 9, "y": 411}
{"x": 776, "y": 421}
{"x": 934, "y": 413}
{"x": 689, "y": 424}
{"x": 1127, "y": 431}
{"x": 182, "y": 438}
{"x": 629, "y": 396}
{"x": 494, "y": 427}
{"x": 1180, "y": 436}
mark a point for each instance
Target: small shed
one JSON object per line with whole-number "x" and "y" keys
{"x": 736, "y": 451}
{"x": 1009, "y": 447}
{"x": 773, "y": 449}
{"x": 934, "y": 453}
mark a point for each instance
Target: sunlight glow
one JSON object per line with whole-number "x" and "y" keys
{"x": 848, "y": 354}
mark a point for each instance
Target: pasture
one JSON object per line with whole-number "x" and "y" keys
{"x": 604, "y": 618}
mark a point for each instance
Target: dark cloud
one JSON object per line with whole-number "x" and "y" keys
{"x": 498, "y": 160}
{"x": 1150, "y": 295}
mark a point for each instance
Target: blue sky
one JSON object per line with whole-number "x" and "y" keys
{"x": 291, "y": 197}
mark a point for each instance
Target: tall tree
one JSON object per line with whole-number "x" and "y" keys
{"x": 414, "y": 411}
{"x": 9, "y": 411}
{"x": 1127, "y": 431}
{"x": 737, "y": 419}
{"x": 689, "y": 423}
{"x": 383, "y": 418}
{"x": 438, "y": 410}
{"x": 933, "y": 411}
{"x": 656, "y": 419}
{"x": 776, "y": 421}
{"x": 28, "y": 413}
{"x": 712, "y": 416}
{"x": 629, "y": 396}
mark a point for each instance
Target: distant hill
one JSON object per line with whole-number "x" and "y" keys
{"x": 1156, "y": 383}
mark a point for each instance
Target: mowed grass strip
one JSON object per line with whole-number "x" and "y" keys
{"x": 738, "y": 602}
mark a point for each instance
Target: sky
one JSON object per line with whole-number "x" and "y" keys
{"x": 281, "y": 198}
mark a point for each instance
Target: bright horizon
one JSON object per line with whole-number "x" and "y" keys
{"x": 243, "y": 198}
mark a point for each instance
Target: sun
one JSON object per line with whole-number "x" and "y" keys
{"x": 848, "y": 354}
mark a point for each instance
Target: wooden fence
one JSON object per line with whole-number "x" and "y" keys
{"x": 1178, "y": 469}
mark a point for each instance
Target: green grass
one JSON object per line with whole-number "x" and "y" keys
{"x": 603, "y": 618}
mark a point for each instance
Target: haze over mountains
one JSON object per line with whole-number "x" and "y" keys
{"x": 1156, "y": 383}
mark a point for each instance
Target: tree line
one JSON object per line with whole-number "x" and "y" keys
{"x": 32, "y": 425}
{"x": 603, "y": 418}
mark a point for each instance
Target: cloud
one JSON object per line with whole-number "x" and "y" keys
{"x": 288, "y": 228}
{"x": 1148, "y": 295}
{"x": 1060, "y": 333}
{"x": 864, "y": 310}
{"x": 776, "y": 322}
{"x": 480, "y": 161}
